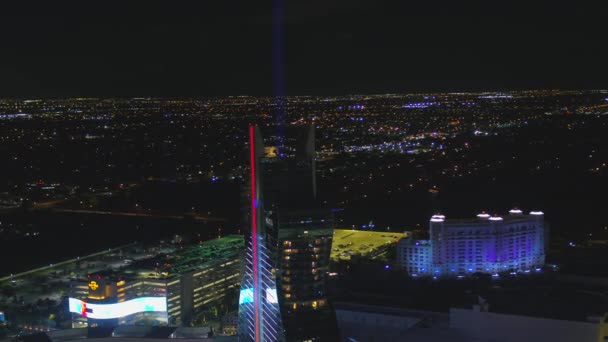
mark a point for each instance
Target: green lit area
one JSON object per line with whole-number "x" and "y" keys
{"x": 348, "y": 243}
{"x": 204, "y": 254}
{"x": 183, "y": 259}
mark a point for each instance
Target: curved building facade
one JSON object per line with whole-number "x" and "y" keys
{"x": 487, "y": 244}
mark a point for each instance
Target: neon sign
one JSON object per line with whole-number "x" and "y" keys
{"x": 117, "y": 310}
{"x": 93, "y": 285}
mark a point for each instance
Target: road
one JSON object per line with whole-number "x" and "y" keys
{"x": 132, "y": 214}
{"x": 62, "y": 263}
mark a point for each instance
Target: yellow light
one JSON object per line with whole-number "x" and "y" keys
{"x": 97, "y": 297}
{"x": 93, "y": 285}
{"x": 270, "y": 152}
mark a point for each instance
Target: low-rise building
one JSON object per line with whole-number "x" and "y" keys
{"x": 162, "y": 290}
{"x": 368, "y": 323}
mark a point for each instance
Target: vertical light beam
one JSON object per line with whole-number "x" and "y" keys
{"x": 254, "y": 230}
{"x": 278, "y": 71}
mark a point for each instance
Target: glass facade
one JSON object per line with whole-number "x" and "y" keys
{"x": 291, "y": 246}
{"x": 259, "y": 313}
{"x": 305, "y": 240}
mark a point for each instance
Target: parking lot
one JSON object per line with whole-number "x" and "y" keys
{"x": 348, "y": 242}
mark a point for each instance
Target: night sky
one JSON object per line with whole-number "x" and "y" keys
{"x": 209, "y": 48}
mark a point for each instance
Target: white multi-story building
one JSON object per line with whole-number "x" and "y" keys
{"x": 415, "y": 255}
{"x": 487, "y": 244}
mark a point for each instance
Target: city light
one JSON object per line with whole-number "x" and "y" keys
{"x": 275, "y": 185}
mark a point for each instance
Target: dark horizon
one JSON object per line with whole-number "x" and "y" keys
{"x": 330, "y": 47}
{"x": 194, "y": 97}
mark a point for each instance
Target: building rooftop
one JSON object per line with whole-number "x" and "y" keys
{"x": 438, "y": 317}
{"x": 548, "y": 300}
{"x": 204, "y": 254}
{"x": 348, "y": 242}
{"x": 183, "y": 260}
{"x": 484, "y": 218}
{"x": 128, "y": 334}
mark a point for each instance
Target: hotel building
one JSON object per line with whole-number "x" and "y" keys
{"x": 487, "y": 244}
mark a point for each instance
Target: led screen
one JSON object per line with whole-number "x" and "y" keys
{"x": 271, "y": 296}
{"x": 107, "y": 311}
{"x": 247, "y": 296}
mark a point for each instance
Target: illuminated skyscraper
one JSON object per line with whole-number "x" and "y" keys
{"x": 293, "y": 243}
{"x": 301, "y": 231}
{"x": 259, "y": 313}
{"x": 305, "y": 239}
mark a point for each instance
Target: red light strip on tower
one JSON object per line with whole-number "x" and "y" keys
{"x": 254, "y": 232}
